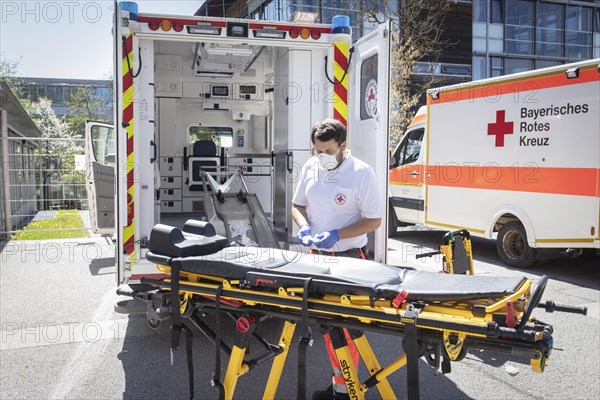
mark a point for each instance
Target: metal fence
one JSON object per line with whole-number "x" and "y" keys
{"x": 39, "y": 177}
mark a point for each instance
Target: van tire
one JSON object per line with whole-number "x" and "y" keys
{"x": 392, "y": 221}
{"x": 513, "y": 248}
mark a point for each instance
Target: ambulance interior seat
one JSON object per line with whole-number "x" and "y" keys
{"x": 203, "y": 158}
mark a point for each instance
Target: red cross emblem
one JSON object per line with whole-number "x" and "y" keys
{"x": 371, "y": 95}
{"x": 340, "y": 199}
{"x": 500, "y": 128}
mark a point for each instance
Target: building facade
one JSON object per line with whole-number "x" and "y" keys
{"x": 61, "y": 90}
{"x": 519, "y": 35}
{"x": 488, "y": 37}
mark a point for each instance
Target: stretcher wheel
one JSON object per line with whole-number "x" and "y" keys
{"x": 158, "y": 326}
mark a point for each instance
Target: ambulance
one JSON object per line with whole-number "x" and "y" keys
{"x": 513, "y": 158}
{"x": 197, "y": 92}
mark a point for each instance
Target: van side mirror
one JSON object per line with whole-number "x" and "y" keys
{"x": 110, "y": 158}
{"x": 392, "y": 163}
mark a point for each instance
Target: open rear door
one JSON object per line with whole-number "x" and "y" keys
{"x": 100, "y": 176}
{"x": 368, "y": 100}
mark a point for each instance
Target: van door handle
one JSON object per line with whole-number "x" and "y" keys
{"x": 415, "y": 173}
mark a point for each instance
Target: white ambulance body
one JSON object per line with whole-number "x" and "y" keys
{"x": 516, "y": 158}
{"x": 254, "y": 88}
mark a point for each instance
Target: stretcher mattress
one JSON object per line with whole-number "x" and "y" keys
{"x": 273, "y": 268}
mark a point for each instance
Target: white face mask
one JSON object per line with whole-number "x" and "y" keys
{"x": 327, "y": 161}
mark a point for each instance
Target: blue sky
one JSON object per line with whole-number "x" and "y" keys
{"x": 67, "y": 39}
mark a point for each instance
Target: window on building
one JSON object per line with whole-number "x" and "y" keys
{"x": 514, "y": 65}
{"x": 546, "y": 63}
{"x": 479, "y": 68}
{"x": 578, "y": 32}
{"x": 496, "y": 66}
{"x": 519, "y": 27}
{"x": 480, "y": 10}
{"x": 550, "y": 29}
{"x": 55, "y": 93}
{"x": 497, "y": 11}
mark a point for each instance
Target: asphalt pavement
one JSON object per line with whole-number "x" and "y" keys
{"x": 61, "y": 339}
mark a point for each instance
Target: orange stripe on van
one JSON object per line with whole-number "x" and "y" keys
{"x": 509, "y": 88}
{"x": 418, "y": 119}
{"x": 567, "y": 181}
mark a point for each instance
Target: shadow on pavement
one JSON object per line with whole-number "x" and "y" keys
{"x": 581, "y": 271}
{"x": 148, "y": 374}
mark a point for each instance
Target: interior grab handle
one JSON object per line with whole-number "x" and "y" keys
{"x": 289, "y": 162}
{"x": 154, "y": 151}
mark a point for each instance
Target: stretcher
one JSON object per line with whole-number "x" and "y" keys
{"x": 238, "y": 216}
{"x": 437, "y": 316}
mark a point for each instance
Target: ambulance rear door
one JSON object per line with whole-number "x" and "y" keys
{"x": 368, "y": 103}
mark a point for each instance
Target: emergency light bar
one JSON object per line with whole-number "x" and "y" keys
{"x": 204, "y": 28}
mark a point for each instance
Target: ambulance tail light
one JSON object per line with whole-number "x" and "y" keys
{"x": 166, "y": 25}
{"x": 305, "y": 33}
{"x": 204, "y": 28}
{"x": 269, "y": 32}
{"x": 177, "y": 26}
{"x": 294, "y": 33}
{"x": 153, "y": 25}
{"x": 315, "y": 35}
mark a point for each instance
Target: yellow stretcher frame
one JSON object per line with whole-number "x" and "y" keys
{"x": 455, "y": 325}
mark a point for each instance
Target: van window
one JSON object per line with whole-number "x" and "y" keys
{"x": 368, "y": 88}
{"x": 223, "y": 137}
{"x": 409, "y": 149}
{"x": 103, "y": 143}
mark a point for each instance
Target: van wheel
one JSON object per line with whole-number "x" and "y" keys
{"x": 512, "y": 246}
{"x": 392, "y": 221}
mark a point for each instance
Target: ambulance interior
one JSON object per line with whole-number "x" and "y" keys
{"x": 222, "y": 106}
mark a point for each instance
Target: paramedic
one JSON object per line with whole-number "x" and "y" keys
{"x": 336, "y": 203}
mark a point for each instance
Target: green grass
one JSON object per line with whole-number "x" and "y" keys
{"x": 64, "y": 219}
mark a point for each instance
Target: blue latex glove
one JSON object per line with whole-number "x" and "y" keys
{"x": 304, "y": 235}
{"x": 326, "y": 240}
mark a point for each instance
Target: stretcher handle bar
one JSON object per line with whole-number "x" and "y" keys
{"x": 145, "y": 296}
{"x": 551, "y": 306}
{"x": 430, "y": 254}
{"x": 449, "y": 236}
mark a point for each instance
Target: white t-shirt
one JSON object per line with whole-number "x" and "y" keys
{"x": 338, "y": 198}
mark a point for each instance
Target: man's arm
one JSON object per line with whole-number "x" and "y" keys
{"x": 360, "y": 227}
{"x": 299, "y": 215}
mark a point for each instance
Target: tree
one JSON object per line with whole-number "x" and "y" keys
{"x": 417, "y": 28}
{"x": 8, "y": 74}
{"x": 83, "y": 106}
{"x": 56, "y": 154}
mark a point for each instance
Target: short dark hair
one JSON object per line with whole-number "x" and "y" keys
{"x": 328, "y": 129}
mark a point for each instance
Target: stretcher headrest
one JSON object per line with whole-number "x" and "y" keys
{"x": 169, "y": 241}
{"x": 201, "y": 228}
